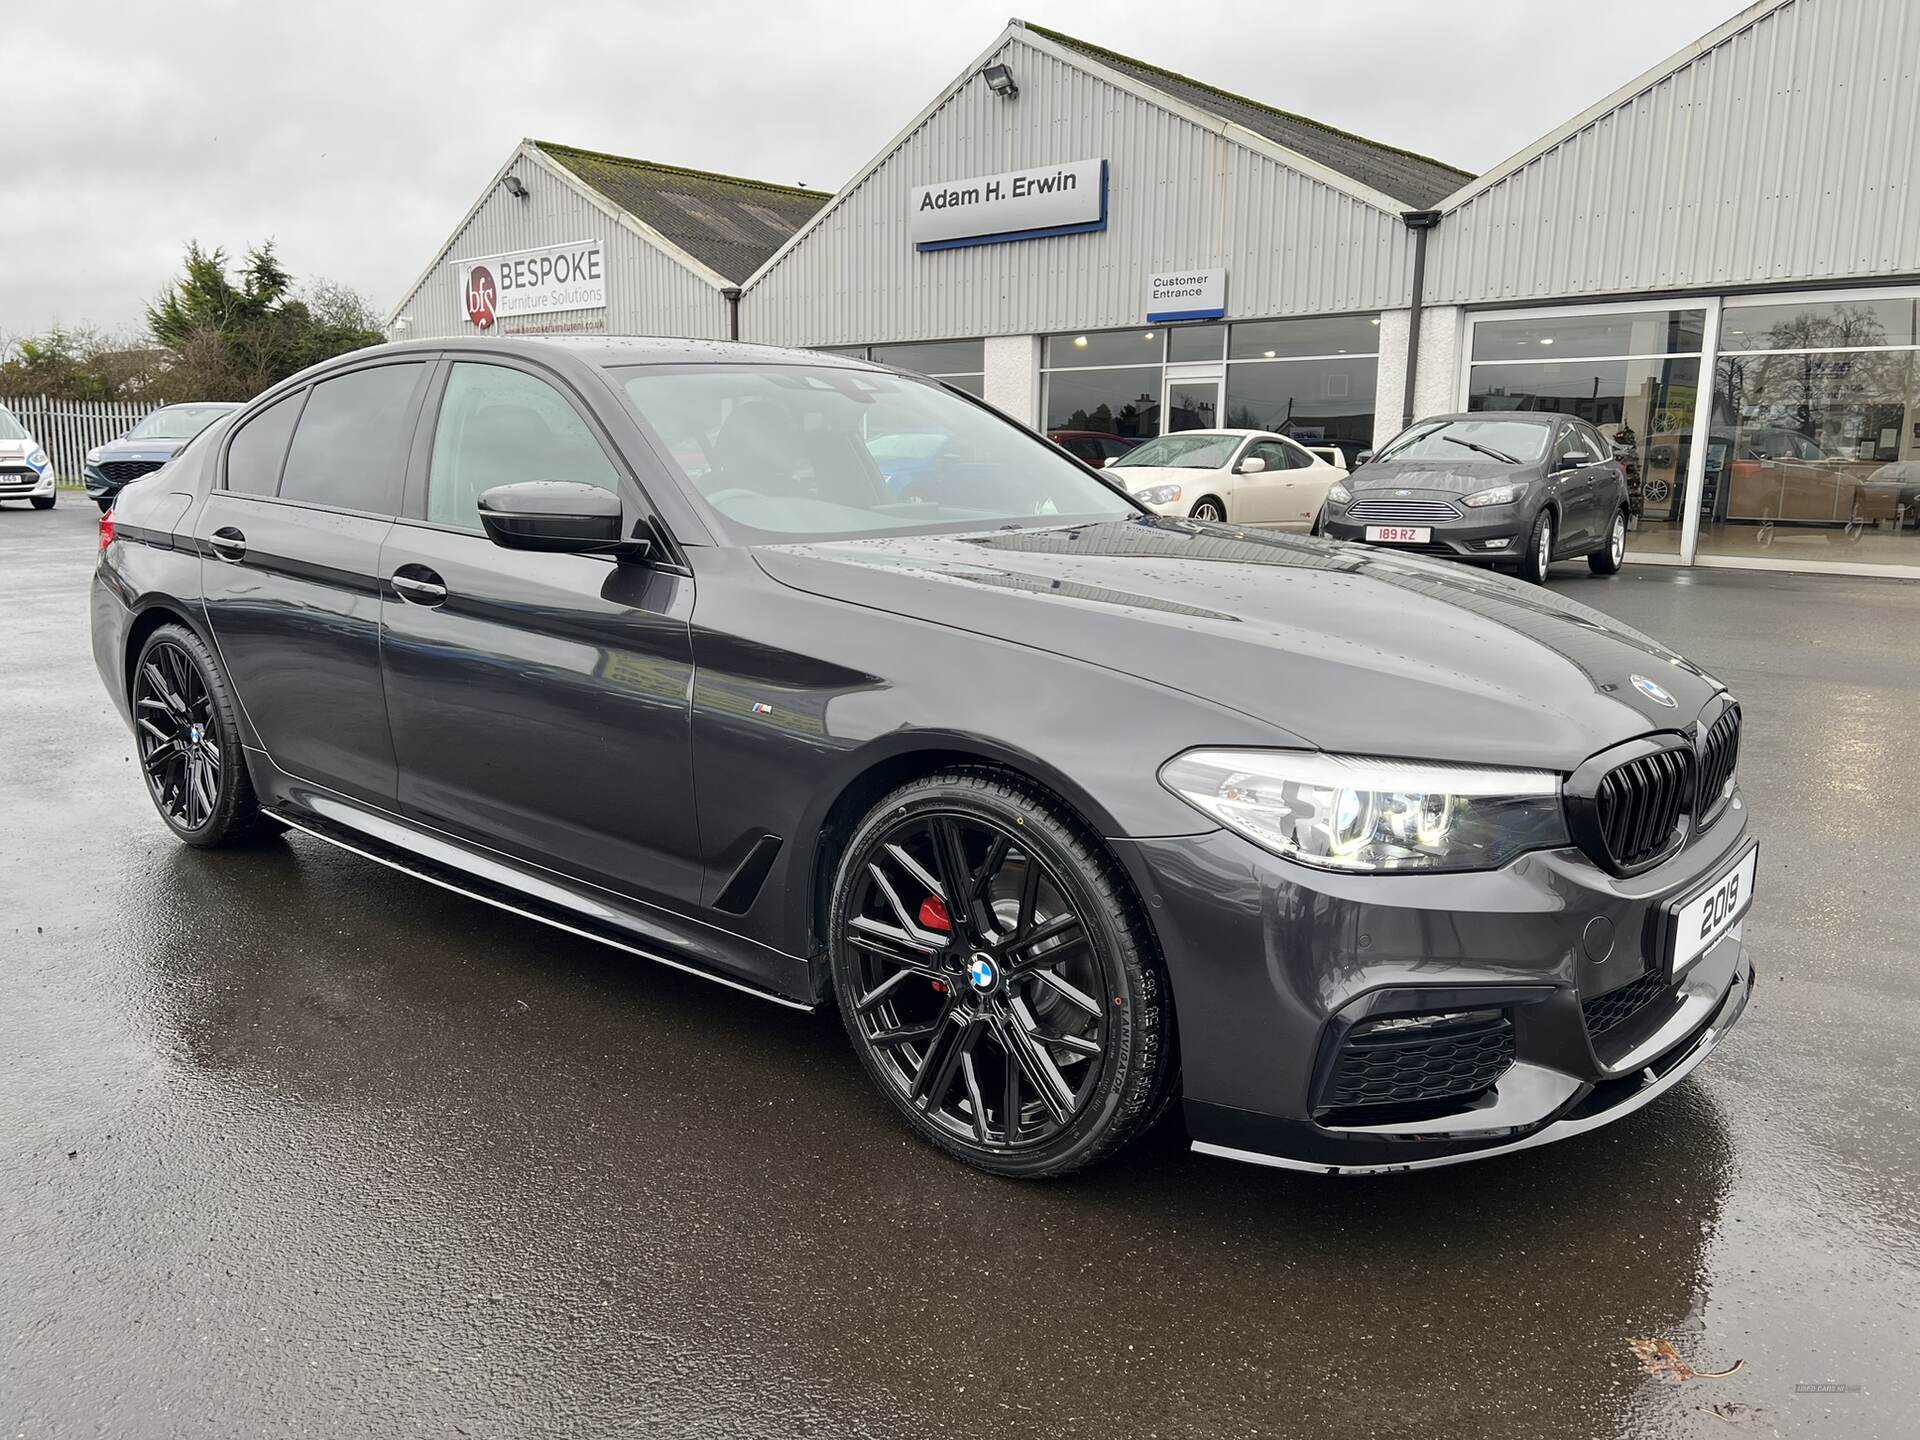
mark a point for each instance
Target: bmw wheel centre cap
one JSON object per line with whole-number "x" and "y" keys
{"x": 982, "y": 974}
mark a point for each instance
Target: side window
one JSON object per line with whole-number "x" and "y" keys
{"x": 1571, "y": 450}
{"x": 499, "y": 426}
{"x": 1273, "y": 452}
{"x": 1297, "y": 455}
{"x": 351, "y": 447}
{"x": 258, "y": 447}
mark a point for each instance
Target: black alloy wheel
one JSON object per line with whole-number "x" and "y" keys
{"x": 996, "y": 979}
{"x": 188, "y": 742}
{"x": 1209, "y": 509}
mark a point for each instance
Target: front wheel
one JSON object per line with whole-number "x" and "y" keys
{"x": 43, "y": 502}
{"x": 996, "y": 976}
{"x": 1607, "y": 561}
{"x": 189, "y": 741}
{"x": 1209, "y": 509}
{"x": 1539, "y": 552}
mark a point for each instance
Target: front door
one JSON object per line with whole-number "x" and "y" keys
{"x": 539, "y": 703}
{"x": 290, "y": 546}
{"x": 1571, "y": 481}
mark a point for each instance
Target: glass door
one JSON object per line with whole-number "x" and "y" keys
{"x": 1192, "y": 398}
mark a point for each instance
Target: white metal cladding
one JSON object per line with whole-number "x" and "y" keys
{"x": 1786, "y": 151}
{"x": 649, "y": 292}
{"x": 1179, "y": 194}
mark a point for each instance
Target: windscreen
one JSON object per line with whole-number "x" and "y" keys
{"x": 1514, "y": 442}
{"x": 177, "y": 422}
{"x": 10, "y": 428}
{"x": 779, "y": 451}
{"x": 1194, "y": 450}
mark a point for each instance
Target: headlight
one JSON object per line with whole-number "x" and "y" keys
{"x": 1498, "y": 495}
{"x": 1338, "y": 493}
{"x": 1158, "y": 495}
{"x": 37, "y": 458}
{"x": 93, "y": 455}
{"x": 1339, "y": 812}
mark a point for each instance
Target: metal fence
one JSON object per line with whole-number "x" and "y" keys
{"x": 67, "y": 429}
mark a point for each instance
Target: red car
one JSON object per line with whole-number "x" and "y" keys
{"x": 1096, "y": 447}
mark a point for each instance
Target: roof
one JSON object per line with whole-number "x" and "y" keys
{"x": 1416, "y": 179}
{"x": 726, "y": 223}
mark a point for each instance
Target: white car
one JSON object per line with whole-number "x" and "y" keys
{"x": 1246, "y": 477}
{"x": 25, "y": 471}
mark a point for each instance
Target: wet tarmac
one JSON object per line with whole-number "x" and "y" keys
{"x": 291, "y": 1144}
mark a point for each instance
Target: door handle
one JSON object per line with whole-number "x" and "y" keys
{"x": 228, "y": 543}
{"x": 419, "y": 586}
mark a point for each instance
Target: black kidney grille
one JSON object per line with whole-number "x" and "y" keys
{"x": 1719, "y": 755}
{"x": 1640, "y": 803}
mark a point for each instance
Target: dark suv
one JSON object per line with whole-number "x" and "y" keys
{"x": 1071, "y": 811}
{"x": 1513, "y": 489}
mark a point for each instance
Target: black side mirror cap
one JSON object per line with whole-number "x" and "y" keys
{"x": 558, "y": 516}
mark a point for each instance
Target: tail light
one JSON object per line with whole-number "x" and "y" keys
{"x": 106, "y": 528}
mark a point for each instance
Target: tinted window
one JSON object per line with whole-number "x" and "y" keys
{"x": 351, "y": 447}
{"x": 253, "y": 459}
{"x": 498, "y": 427}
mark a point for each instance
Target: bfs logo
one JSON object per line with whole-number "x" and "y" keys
{"x": 481, "y": 297}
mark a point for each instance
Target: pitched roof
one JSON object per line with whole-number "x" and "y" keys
{"x": 726, "y": 223}
{"x": 1419, "y": 181}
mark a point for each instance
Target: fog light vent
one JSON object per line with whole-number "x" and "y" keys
{"x": 1414, "y": 1066}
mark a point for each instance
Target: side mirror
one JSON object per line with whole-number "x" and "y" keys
{"x": 563, "y": 516}
{"x": 1252, "y": 465}
{"x": 1107, "y": 463}
{"x": 1362, "y": 458}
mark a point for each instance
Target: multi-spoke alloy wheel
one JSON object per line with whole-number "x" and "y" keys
{"x": 996, "y": 982}
{"x": 189, "y": 750}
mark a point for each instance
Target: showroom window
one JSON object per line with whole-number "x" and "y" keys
{"x": 961, "y": 363}
{"x": 1632, "y": 374}
{"x": 1313, "y": 379}
{"x": 1104, "y": 380}
{"x": 1814, "y": 447}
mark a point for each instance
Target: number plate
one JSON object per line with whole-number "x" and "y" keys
{"x": 1699, "y": 923}
{"x": 1400, "y": 534}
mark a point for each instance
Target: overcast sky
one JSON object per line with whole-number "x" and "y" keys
{"x": 356, "y": 134}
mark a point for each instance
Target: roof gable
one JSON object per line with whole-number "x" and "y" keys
{"x": 1415, "y": 179}
{"x": 728, "y": 224}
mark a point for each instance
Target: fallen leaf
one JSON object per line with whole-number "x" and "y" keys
{"x": 1661, "y": 1360}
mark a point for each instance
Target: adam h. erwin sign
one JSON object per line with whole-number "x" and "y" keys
{"x": 1017, "y": 205}
{"x": 532, "y": 282}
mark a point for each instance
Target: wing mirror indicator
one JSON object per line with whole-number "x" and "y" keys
{"x": 558, "y": 516}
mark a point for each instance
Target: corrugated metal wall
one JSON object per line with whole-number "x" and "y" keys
{"x": 648, "y": 291}
{"x": 1787, "y": 152}
{"x": 1178, "y": 195}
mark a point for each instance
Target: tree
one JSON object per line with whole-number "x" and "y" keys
{"x": 228, "y": 337}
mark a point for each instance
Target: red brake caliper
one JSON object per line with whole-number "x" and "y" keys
{"x": 933, "y": 916}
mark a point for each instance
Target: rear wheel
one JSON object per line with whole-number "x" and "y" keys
{"x": 996, "y": 977}
{"x": 1539, "y": 552}
{"x": 189, "y": 741}
{"x": 43, "y": 502}
{"x": 1209, "y": 509}
{"x": 1610, "y": 557}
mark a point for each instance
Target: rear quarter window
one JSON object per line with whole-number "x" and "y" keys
{"x": 260, "y": 445}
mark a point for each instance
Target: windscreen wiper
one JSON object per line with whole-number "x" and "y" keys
{"x": 1483, "y": 449}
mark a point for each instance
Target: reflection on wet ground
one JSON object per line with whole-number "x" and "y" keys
{"x": 289, "y": 1142}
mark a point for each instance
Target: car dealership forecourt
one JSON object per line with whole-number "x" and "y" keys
{"x": 1669, "y": 265}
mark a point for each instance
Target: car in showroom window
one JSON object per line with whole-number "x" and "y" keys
{"x": 837, "y": 688}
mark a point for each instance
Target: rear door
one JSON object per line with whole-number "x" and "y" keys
{"x": 539, "y": 702}
{"x": 290, "y": 541}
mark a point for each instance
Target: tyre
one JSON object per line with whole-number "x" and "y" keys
{"x": 188, "y": 741}
{"x": 1610, "y": 557}
{"x": 105, "y": 503}
{"x": 997, "y": 978}
{"x": 1539, "y": 552}
{"x": 1209, "y": 509}
{"x": 1319, "y": 522}
{"x": 43, "y": 502}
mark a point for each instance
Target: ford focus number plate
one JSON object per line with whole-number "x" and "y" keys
{"x": 1700, "y": 923}
{"x": 1400, "y": 534}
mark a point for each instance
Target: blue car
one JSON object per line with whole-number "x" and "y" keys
{"x": 148, "y": 446}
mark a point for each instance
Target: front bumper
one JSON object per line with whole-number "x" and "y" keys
{"x": 1274, "y": 966}
{"x": 1499, "y": 539}
{"x": 15, "y": 485}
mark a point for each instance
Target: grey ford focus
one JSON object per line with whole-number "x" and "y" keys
{"x": 1515, "y": 490}
{"x": 1076, "y": 814}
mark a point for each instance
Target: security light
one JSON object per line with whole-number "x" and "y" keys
{"x": 515, "y": 187}
{"x": 1000, "y": 80}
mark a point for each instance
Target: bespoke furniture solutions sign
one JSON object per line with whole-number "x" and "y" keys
{"x": 1186, "y": 295}
{"x": 532, "y": 282}
{"x": 1065, "y": 199}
